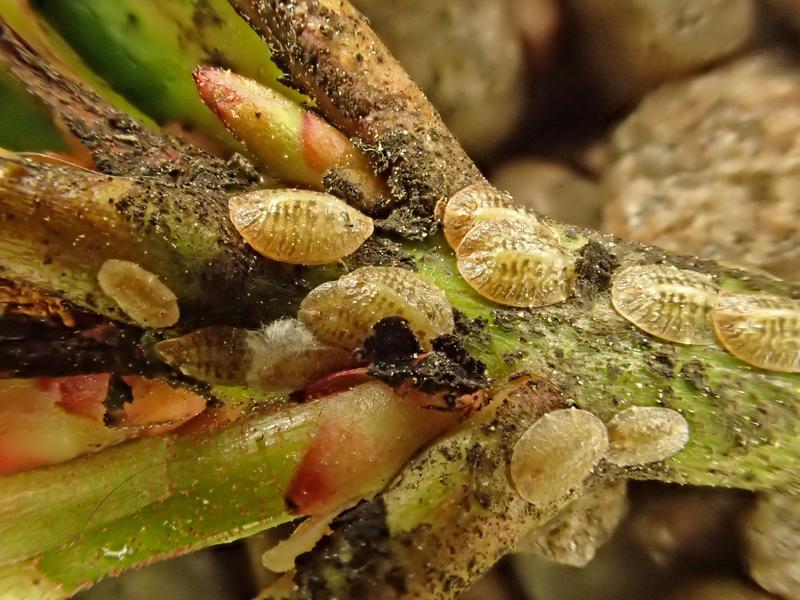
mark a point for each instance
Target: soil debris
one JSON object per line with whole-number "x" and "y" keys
{"x": 394, "y": 353}
{"x": 379, "y": 251}
{"x": 411, "y": 221}
{"x": 594, "y": 268}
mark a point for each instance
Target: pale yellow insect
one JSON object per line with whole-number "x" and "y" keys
{"x": 509, "y": 262}
{"x": 645, "y": 434}
{"x": 760, "y": 329}
{"x": 139, "y": 293}
{"x": 343, "y": 312}
{"x": 299, "y": 226}
{"x": 480, "y": 203}
{"x": 667, "y": 302}
{"x": 556, "y": 454}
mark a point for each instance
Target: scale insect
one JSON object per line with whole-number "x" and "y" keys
{"x": 216, "y": 354}
{"x": 511, "y": 263}
{"x": 670, "y": 303}
{"x": 760, "y": 329}
{"x": 343, "y": 312}
{"x": 139, "y": 293}
{"x": 281, "y": 355}
{"x": 481, "y": 203}
{"x": 299, "y": 226}
{"x": 556, "y": 454}
{"x": 645, "y": 434}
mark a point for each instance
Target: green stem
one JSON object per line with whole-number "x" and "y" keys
{"x": 148, "y": 499}
{"x": 119, "y": 144}
{"x": 453, "y": 513}
{"x": 59, "y": 225}
{"x": 147, "y": 50}
{"x": 745, "y": 421}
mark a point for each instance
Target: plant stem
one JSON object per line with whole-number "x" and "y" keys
{"x": 60, "y": 224}
{"x": 149, "y": 498}
{"x": 119, "y": 144}
{"x": 332, "y": 54}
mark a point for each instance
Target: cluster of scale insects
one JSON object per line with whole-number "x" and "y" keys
{"x": 503, "y": 251}
{"x": 507, "y": 255}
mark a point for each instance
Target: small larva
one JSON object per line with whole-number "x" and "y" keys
{"x": 480, "y": 203}
{"x": 217, "y": 354}
{"x": 509, "y": 262}
{"x": 299, "y": 226}
{"x": 139, "y": 293}
{"x": 556, "y": 454}
{"x": 645, "y": 434}
{"x": 343, "y": 312}
{"x": 760, "y": 329}
{"x": 281, "y": 355}
{"x": 667, "y": 302}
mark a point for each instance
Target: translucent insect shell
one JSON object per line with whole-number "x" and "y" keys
{"x": 299, "y": 226}
{"x": 139, "y": 293}
{"x": 556, "y": 454}
{"x": 667, "y": 302}
{"x": 343, "y": 312}
{"x": 510, "y": 262}
{"x": 481, "y": 203}
{"x": 760, "y": 329}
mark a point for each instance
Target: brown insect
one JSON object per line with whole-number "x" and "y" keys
{"x": 667, "y": 302}
{"x": 511, "y": 263}
{"x": 481, "y": 203}
{"x": 760, "y": 329}
{"x": 299, "y": 226}
{"x": 556, "y": 454}
{"x": 281, "y": 355}
{"x": 343, "y": 312}
{"x": 217, "y": 354}
{"x": 139, "y": 293}
{"x": 645, "y": 434}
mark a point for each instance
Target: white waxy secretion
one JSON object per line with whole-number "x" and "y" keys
{"x": 667, "y": 302}
{"x": 556, "y": 454}
{"x": 139, "y": 293}
{"x": 645, "y": 434}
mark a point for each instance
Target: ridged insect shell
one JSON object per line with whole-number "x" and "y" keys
{"x": 645, "y": 434}
{"x": 281, "y": 355}
{"x": 299, "y": 226}
{"x": 509, "y": 262}
{"x": 343, "y": 312}
{"x": 480, "y": 203}
{"x": 216, "y": 354}
{"x": 556, "y": 454}
{"x": 760, "y": 329}
{"x": 667, "y": 302}
{"x": 139, "y": 293}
